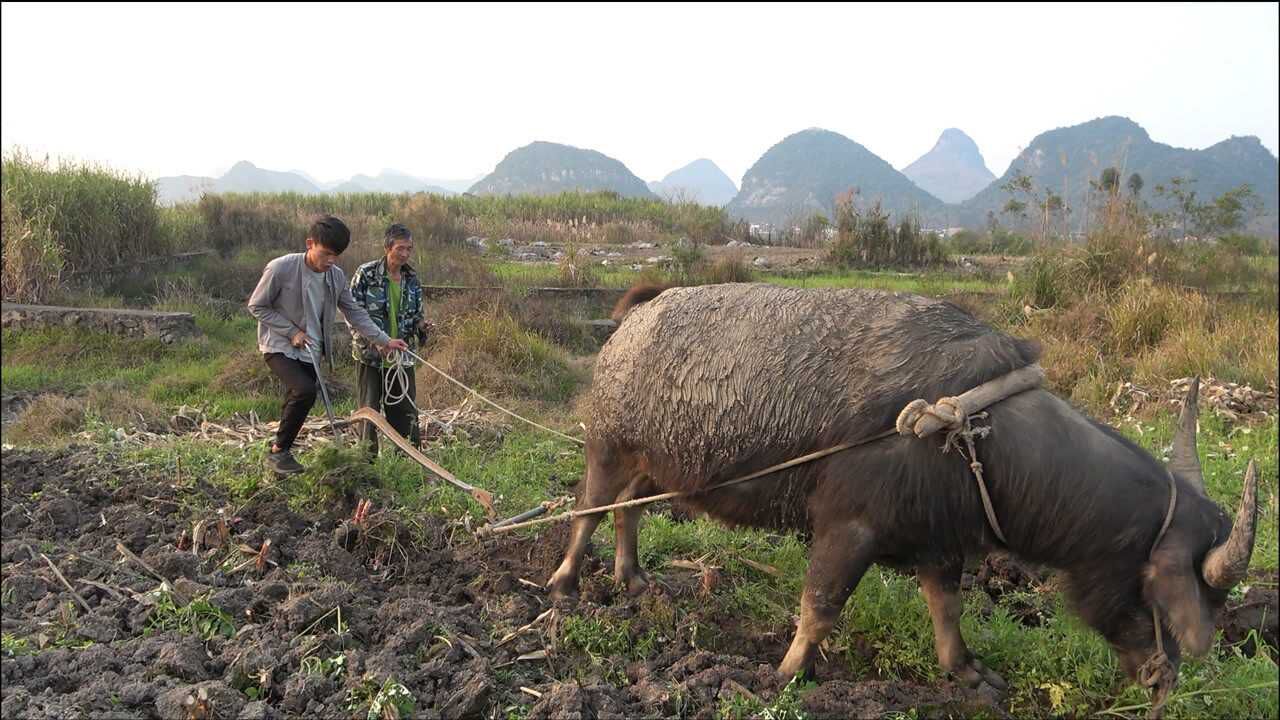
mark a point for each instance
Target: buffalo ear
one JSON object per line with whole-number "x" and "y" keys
{"x": 1171, "y": 583}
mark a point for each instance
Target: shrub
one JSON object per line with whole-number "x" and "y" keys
{"x": 559, "y": 321}
{"x": 968, "y": 242}
{"x": 1231, "y": 340}
{"x": 32, "y": 258}
{"x": 489, "y": 351}
{"x": 235, "y": 221}
{"x": 729, "y": 269}
{"x": 687, "y": 257}
{"x": 437, "y": 265}
{"x": 574, "y": 269}
{"x": 1143, "y": 314}
{"x": 1150, "y": 333}
{"x": 1243, "y": 244}
{"x": 244, "y": 371}
{"x": 184, "y": 228}
{"x": 65, "y": 218}
{"x": 119, "y": 407}
{"x": 870, "y": 240}
{"x": 1005, "y": 242}
{"x": 46, "y": 419}
{"x": 429, "y": 218}
{"x": 1211, "y": 267}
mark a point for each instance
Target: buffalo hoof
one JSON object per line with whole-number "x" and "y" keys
{"x": 797, "y": 663}
{"x": 785, "y": 675}
{"x": 974, "y": 674}
{"x": 635, "y": 584}
{"x": 561, "y": 588}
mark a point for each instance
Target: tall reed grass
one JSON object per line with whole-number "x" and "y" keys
{"x": 63, "y": 218}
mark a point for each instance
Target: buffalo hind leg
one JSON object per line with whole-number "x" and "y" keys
{"x": 941, "y": 587}
{"x": 604, "y": 481}
{"x": 837, "y": 562}
{"x": 627, "y": 572}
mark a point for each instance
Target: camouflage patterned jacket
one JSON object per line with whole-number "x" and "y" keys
{"x": 369, "y": 288}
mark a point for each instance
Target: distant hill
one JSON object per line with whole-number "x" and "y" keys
{"x": 953, "y": 171}
{"x": 243, "y": 177}
{"x": 246, "y": 177}
{"x": 183, "y": 188}
{"x": 805, "y": 172}
{"x": 701, "y": 180}
{"x": 453, "y": 185}
{"x": 1066, "y": 159}
{"x": 544, "y": 168}
{"x": 313, "y": 180}
{"x": 389, "y": 181}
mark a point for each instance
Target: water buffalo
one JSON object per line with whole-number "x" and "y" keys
{"x": 702, "y": 384}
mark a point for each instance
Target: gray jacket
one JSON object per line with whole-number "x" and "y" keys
{"x": 279, "y": 304}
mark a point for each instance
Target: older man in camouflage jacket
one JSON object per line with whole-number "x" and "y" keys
{"x": 389, "y": 290}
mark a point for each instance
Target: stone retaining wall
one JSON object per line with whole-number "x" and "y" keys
{"x": 167, "y": 327}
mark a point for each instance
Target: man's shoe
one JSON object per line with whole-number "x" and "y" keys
{"x": 282, "y": 463}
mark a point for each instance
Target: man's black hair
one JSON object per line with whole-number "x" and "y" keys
{"x": 331, "y": 233}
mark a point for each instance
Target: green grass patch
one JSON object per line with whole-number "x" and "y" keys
{"x": 221, "y": 373}
{"x": 527, "y": 275}
{"x": 13, "y": 646}
{"x": 600, "y": 637}
{"x": 521, "y": 470}
{"x": 786, "y": 706}
{"x": 198, "y": 617}
{"x": 390, "y": 699}
{"x": 931, "y": 284}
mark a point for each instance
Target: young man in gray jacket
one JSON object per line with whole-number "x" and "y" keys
{"x": 294, "y": 303}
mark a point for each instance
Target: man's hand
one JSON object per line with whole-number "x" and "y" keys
{"x": 395, "y": 344}
{"x": 299, "y": 339}
{"x": 426, "y": 329}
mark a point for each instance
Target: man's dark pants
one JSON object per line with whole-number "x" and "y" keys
{"x": 299, "y": 380}
{"x": 401, "y": 415}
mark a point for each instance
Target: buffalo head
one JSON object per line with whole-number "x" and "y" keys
{"x": 1203, "y": 557}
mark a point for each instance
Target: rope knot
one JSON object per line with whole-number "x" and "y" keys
{"x": 921, "y": 419}
{"x": 1159, "y": 676}
{"x": 1156, "y": 671}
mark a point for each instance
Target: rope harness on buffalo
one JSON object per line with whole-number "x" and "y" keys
{"x": 1158, "y": 672}
{"x": 950, "y": 414}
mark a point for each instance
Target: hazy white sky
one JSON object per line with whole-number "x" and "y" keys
{"x": 446, "y": 91}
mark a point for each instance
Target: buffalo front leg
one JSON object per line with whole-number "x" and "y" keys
{"x": 836, "y": 563}
{"x": 604, "y": 481}
{"x": 941, "y": 587}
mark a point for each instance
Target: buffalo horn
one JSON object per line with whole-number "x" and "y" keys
{"x": 1226, "y": 564}
{"x": 1185, "y": 461}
